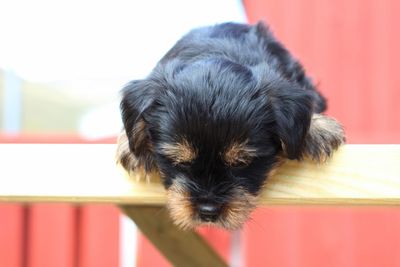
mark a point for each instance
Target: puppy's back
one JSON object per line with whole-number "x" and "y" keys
{"x": 251, "y": 46}
{"x": 239, "y": 43}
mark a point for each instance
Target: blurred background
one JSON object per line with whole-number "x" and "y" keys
{"x": 62, "y": 64}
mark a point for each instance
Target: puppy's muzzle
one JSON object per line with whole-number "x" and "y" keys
{"x": 208, "y": 212}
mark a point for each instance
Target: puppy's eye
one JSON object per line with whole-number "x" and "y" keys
{"x": 238, "y": 155}
{"x": 239, "y": 164}
{"x": 180, "y": 154}
{"x": 184, "y": 164}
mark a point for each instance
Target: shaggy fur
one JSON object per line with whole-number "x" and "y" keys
{"x": 215, "y": 117}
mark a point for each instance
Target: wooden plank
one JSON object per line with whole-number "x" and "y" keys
{"x": 218, "y": 239}
{"x": 181, "y": 248}
{"x": 73, "y": 173}
{"x": 357, "y": 174}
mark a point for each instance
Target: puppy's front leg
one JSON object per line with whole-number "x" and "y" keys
{"x": 323, "y": 138}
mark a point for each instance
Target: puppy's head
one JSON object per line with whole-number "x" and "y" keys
{"x": 214, "y": 130}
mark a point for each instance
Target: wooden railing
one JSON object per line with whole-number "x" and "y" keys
{"x": 87, "y": 173}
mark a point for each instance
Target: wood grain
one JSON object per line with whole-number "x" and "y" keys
{"x": 181, "y": 248}
{"x": 357, "y": 174}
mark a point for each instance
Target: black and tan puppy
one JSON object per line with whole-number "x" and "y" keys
{"x": 216, "y": 115}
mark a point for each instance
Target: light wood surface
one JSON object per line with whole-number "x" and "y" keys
{"x": 74, "y": 173}
{"x": 357, "y": 174}
{"x": 181, "y": 248}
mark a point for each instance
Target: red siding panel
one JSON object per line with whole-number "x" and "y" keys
{"x": 350, "y": 48}
{"x": 377, "y": 237}
{"x": 99, "y": 236}
{"x": 335, "y": 237}
{"x": 270, "y": 238}
{"x": 11, "y": 238}
{"x": 51, "y": 236}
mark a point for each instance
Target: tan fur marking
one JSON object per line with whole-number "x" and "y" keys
{"x": 128, "y": 161}
{"x": 140, "y": 137}
{"x": 234, "y": 215}
{"x": 238, "y": 153}
{"x": 124, "y": 155}
{"x": 180, "y": 207}
{"x": 138, "y": 132}
{"x": 324, "y": 136}
{"x": 280, "y": 161}
{"x": 179, "y": 152}
{"x": 237, "y": 210}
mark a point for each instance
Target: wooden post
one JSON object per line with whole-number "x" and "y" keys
{"x": 181, "y": 248}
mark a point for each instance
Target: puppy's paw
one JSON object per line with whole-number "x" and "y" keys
{"x": 324, "y": 137}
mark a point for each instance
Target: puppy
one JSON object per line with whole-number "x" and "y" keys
{"x": 216, "y": 116}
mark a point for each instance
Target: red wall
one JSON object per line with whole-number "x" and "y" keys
{"x": 351, "y": 49}
{"x": 46, "y": 235}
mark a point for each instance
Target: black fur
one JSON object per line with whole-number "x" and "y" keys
{"x": 217, "y": 85}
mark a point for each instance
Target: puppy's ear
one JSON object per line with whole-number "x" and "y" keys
{"x": 293, "y": 110}
{"x": 325, "y": 136}
{"x": 137, "y": 98}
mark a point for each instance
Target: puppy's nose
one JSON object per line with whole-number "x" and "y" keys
{"x": 208, "y": 211}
